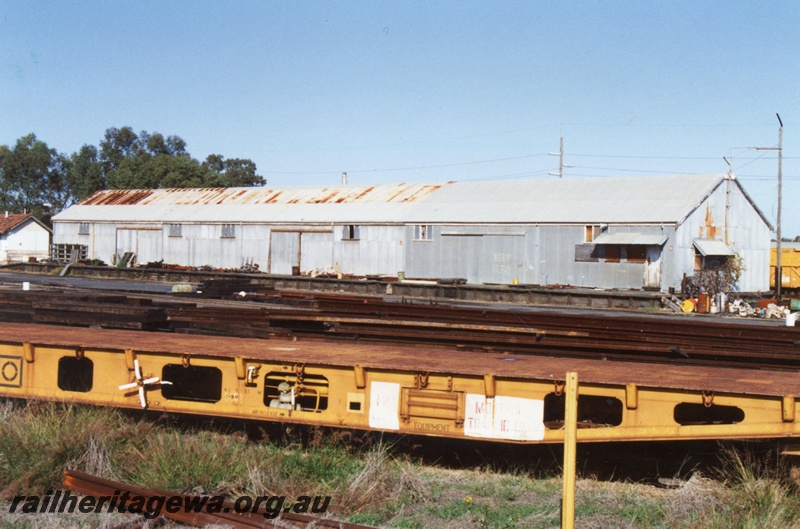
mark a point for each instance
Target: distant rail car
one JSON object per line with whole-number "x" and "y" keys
{"x": 790, "y": 267}
{"x": 420, "y": 390}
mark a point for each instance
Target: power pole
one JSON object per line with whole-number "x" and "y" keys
{"x": 728, "y": 179}
{"x": 560, "y": 155}
{"x": 778, "y": 249}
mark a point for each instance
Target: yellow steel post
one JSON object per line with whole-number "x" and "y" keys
{"x": 570, "y": 443}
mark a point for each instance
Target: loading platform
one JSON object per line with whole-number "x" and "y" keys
{"x": 420, "y": 390}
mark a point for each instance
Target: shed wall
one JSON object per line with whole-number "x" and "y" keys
{"x": 746, "y": 232}
{"x": 276, "y": 249}
{"x": 544, "y": 254}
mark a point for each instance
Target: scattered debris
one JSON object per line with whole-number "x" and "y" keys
{"x": 672, "y": 303}
{"x": 720, "y": 304}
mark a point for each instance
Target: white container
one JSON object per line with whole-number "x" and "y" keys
{"x": 722, "y": 301}
{"x": 26, "y": 285}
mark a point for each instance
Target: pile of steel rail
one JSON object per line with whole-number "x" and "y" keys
{"x": 373, "y": 319}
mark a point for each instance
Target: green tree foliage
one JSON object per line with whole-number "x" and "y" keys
{"x": 85, "y": 172}
{"x": 153, "y": 161}
{"x": 235, "y": 172}
{"x": 33, "y": 175}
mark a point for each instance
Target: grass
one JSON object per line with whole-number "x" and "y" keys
{"x": 370, "y": 481}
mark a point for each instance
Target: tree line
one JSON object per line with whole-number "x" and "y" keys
{"x": 38, "y": 179}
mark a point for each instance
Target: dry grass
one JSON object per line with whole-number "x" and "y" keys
{"x": 370, "y": 481}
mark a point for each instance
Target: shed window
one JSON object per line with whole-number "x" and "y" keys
{"x": 613, "y": 252}
{"x": 83, "y": 228}
{"x": 591, "y": 233}
{"x": 636, "y": 253}
{"x": 175, "y": 230}
{"x": 708, "y": 262}
{"x": 229, "y": 231}
{"x": 586, "y": 253}
{"x": 350, "y": 232}
{"x": 423, "y": 232}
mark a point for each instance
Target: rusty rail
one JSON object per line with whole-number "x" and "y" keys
{"x": 99, "y": 487}
{"x": 376, "y": 319}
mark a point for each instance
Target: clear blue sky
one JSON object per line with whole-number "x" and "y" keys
{"x": 420, "y": 91}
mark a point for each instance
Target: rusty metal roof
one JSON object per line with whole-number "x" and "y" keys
{"x": 622, "y": 200}
{"x": 382, "y": 193}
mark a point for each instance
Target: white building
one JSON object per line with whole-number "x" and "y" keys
{"x": 22, "y": 236}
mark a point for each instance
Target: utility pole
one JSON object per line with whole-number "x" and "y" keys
{"x": 560, "y": 155}
{"x": 728, "y": 179}
{"x": 778, "y": 273}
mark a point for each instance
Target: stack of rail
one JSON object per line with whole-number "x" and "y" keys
{"x": 371, "y": 319}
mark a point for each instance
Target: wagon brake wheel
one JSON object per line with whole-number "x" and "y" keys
{"x": 141, "y": 383}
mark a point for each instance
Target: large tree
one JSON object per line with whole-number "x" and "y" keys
{"x": 153, "y": 161}
{"x": 38, "y": 179}
{"x": 86, "y": 172}
{"x": 33, "y": 178}
{"x": 234, "y": 172}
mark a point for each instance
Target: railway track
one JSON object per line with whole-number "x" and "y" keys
{"x": 372, "y": 319}
{"x": 413, "y": 368}
{"x": 375, "y": 363}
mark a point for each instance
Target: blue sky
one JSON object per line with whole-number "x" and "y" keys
{"x": 420, "y": 91}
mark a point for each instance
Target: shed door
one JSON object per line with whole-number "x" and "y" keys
{"x": 316, "y": 250}
{"x": 145, "y": 243}
{"x": 284, "y": 251}
{"x": 652, "y": 267}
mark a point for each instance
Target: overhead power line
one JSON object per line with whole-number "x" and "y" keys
{"x": 459, "y": 164}
{"x": 748, "y": 161}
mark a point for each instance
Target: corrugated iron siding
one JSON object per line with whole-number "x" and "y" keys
{"x": 543, "y": 255}
{"x": 747, "y": 235}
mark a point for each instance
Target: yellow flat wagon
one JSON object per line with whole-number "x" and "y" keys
{"x": 420, "y": 390}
